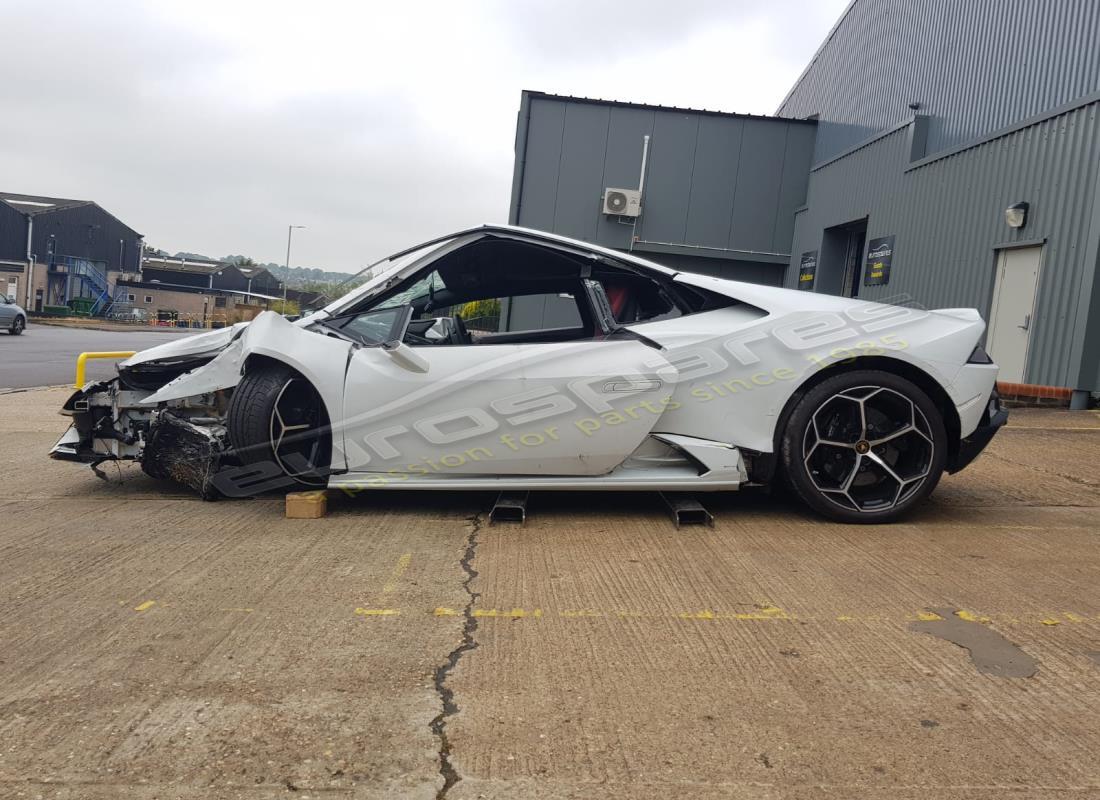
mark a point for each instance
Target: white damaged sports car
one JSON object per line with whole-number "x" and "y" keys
{"x": 505, "y": 358}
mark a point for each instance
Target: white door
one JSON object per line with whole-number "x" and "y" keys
{"x": 1012, "y": 314}
{"x": 568, "y": 408}
{"x": 13, "y": 289}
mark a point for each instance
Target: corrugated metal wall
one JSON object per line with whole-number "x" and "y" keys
{"x": 87, "y": 232}
{"x": 13, "y": 234}
{"x": 713, "y": 180}
{"x": 948, "y": 218}
{"x": 974, "y": 66}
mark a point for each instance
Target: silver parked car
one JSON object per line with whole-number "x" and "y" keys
{"x": 13, "y": 318}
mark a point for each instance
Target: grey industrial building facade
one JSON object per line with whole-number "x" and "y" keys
{"x": 916, "y": 125}
{"x": 53, "y": 250}
{"x": 721, "y": 189}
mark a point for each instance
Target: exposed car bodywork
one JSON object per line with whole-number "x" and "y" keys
{"x": 689, "y": 392}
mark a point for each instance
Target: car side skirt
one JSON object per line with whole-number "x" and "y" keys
{"x": 671, "y": 479}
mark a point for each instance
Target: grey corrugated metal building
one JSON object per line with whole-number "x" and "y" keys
{"x": 720, "y": 189}
{"x": 930, "y": 119}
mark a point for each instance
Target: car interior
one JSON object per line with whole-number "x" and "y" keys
{"x": 506, "y": 291}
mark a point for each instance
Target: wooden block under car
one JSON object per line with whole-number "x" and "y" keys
{"x": 306, "y": 505}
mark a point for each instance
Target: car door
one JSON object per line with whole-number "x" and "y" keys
{"x": 551, "y": 408}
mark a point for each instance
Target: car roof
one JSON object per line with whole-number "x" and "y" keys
{"x": 517, "y": 232}
{"x": 473, "y": 234}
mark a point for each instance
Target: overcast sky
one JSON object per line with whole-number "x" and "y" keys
{"x": 210, "y": 125}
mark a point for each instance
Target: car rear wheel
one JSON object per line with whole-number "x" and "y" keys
{"x": 17, "y": 326}
{"x": 864, "y": 446}
{"x": 275, "y": 415}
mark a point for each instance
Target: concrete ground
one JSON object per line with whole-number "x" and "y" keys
{"x": 155, "y": 646}
{"x": 45, "y": 355}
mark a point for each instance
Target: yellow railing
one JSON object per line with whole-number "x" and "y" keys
{"x": 82, "y": 361}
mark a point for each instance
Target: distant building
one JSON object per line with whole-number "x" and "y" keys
{"x": 260, "y": 280}
{"x": 202, "y": 293}
{"x": 60, "y": 252}
{"x": 308, "y": 301}
{"x": 53, "y": 250}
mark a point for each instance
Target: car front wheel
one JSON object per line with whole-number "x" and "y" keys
{"x": 17, "y": 326}
{"x": 275, "y": 415}
{"x": 864, "y": 446}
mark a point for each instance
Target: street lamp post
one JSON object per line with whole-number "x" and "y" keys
{"x": 286, "y": 276}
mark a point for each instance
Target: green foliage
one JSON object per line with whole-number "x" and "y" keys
{"x": 291, "y": 307}
{"x": 480, "y": 308}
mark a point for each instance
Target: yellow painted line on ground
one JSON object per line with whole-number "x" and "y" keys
{"x": 761, "y": 613}
{"x": 970, "y": 616}
{"x": 766, "y": 613}
{"x": 398, "y": 571}
{"x": 1036, "y": 428}
{"x": 378, "y": 612}
{"x": 515, "y": 613}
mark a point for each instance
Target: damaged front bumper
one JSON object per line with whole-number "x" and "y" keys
{"x": 167, "y": 408}
{"x": 108, "y": 424}
{"x": 186, "y": 442}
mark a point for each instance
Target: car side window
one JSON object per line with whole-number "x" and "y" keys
{"x": 369, "y": 327}
{"x": 543, "y": 317}
{"x": 635, "y": 299}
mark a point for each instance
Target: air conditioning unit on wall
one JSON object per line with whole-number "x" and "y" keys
{"x": 622, "y": 202}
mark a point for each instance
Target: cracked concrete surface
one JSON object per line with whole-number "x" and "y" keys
{"x": 154, "y": 646}
{"x": 446, "y": 695}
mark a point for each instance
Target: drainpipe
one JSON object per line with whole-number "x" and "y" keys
{"x": 641, "y": 187}
{"x": 30, "y": 257}
{"x": 30, "y": 282}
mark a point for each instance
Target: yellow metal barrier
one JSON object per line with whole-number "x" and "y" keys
{"x": 82, "y": 360}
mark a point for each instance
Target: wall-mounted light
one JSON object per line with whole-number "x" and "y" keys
{"x": 1016, "y": 215}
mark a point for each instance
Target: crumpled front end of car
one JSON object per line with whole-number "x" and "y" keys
{"x": 168, "y": 407}
{"x": 184, "y": 439}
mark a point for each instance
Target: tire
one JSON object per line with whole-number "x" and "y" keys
{"x": 275, "y": 414}
{"x": 864, "y": 447}
{"x": 17, "y": 325}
